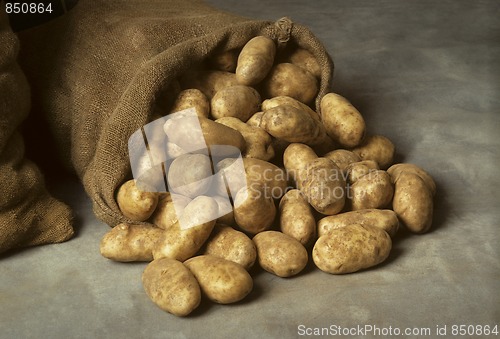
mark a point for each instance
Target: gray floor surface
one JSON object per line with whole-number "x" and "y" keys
{"x": 423, "y": 73}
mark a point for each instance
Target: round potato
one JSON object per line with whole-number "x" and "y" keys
{"x": 254, "y": 209}
{"x": 377, "y": 148}
{"x": 290, "y": 80}
{"x": 255, "y": 60}
{"x": 396, "y": 169}
{"x": 343, "y": 122}
{"x": 192, "y": 98}
{"x": 280, "y": 254}
{"x": 342, "y": 158}
{"x": 230, "y": 244}
{"x": 296, "y": 218}
{"x": 221, "y": 280}
{"x": 383, "y": 219}
{"x": 373, "y": 190}
{"x": 190, "y": 175}
{"x": 171, "y": 286}
{"x": 351, "y": 248}
{"x": 413, "y": 202}
{"x": 235, "y": 101}
{"x": 134, "y": 203}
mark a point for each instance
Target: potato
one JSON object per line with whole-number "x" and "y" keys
{"x": 373, "y": 190}
{"x": 235, "y": 101}
{"x": 383, "y": 219}
{"x": 136, "y": 204}
{"x": 290, "y": 80}
{"x": 192, "y": 98}
{"x": 230, "y": 244}
{"x": 396, "y": 169}
{"x": 377, "y": 148}
{"x": 182, "y": 240}
{"x": 221, "y": 280}
{"x": 171, "y": 286}
{"x": 280, "y": 254}
{"x": 254, "y": 209}
{"x": 296, "y": 218}
{"x": 324, "y": 186}
{"x": 190, "y": 175}
{"x": 225, "y": 61}
{"x": 129, "y": 242}
{"x": 342, "y": 158}
{"x": 255, "y": 60}
{"x": 413, "y": 202}
{"x": 255, "y": 119}
{"x": 358, "y": 169}
{"x": 285, "y": 100}
{"x": 304, "y": 59}
{"x": 166, "y": 213}
{"x": 343, "y": 122}
{"x": 258, "y": 142}
{"x": 226, "y": 213}
{"x": 295, "y": 159}
{"x": 351, "y": 248}
{"x": 208, "y": 81}
{"x": 270, "y": 176}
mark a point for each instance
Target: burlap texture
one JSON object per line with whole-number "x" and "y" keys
{"x": 28, "y": 214}
{"x": 108, "y": 61}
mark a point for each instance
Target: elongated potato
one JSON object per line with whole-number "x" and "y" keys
{"x": 254, "y": 209}
{"x": 373, "y": 190}
{"x": 129, "y": 242}
{"x": 342, "y": 158}
{"x": 286, "y": 100}
{"x": 396, "y": 169}
{"x": 230, "y": 244}
{"x": 413, "y": 202}
{"x": 171, "y": 286}
{"x": 351, "y": 248}
{"x": 358, "y": 169}
{"x": 383, "y": 219}
{"x": 167, "y": 212}
{"x": 235, "y": 101}
{"x": 295, "y": 158}
{"x": 221, "y": 280}
{"x": 182, "y": 240}
{"x": 258, "y": 141}
{"x": 377, "y": 148}
{"x": 280, "y": 254}
{"x": 296, "y": 218}
{"x": 343, "y": 122}
{"x": 290, "y": 80}
{"x": 255, "y": 60}
{"x": 135, "y": 203}
{"x": 192, "y": 98}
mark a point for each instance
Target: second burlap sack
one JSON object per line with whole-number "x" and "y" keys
{"x": 97, "y": 71}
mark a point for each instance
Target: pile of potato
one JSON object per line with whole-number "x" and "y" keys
{"x": 317, "y": 185}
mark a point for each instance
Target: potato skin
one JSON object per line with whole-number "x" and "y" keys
{"x": 230, "y": 244}
{"x": 356, "y": 170}
{"x": 377, "y": 148}
{"x": 342, "y": 158}
{"x": 290, "y": 80}
{"x": 285, "y": 100}
{"x": 260, "y": 172}
{"x": 218, "y": 134}
{"x": 166, "y": 214}
{"x": 383, "y": 219}
{"x": 373, "y": 190}
{"x": 280, "y": 254}
{"x": 235, "y": 101}
{"x": 171, "y": 286}
{"x": 343, "y": 122}
{"x": 295, "y": 159}
{"x": 305, "y": 60}
{"x": 413, "y": 202}
{"x": 130, "y": 242}
{"x": 397, "y": 169}
{"x": 255, "y": 60}
{"x": 254, "y": 209}
{"x": 192, "y": 98}
{"x": 221, "y": 280}
{"x": 296, "y": 218}
{"x": 136, "y": 204}
{"x": 351, "y": 248}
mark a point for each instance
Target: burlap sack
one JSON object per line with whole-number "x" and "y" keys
{"x": 28, "y": 214}
{"x": 108, "y": 60}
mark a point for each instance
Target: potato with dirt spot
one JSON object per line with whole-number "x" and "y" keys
{"x": 295, "y": 159}
{"x": 397, "y": 169}
{"x": 254, "y": 209}
{"x": 373, "y": 190}
{"x": 235, "y": 101}
{"x": 383, "y": 219}
{"x": 255, "y": 119}
{"x": 255, "y": 60}
{"x": 192, "y": 98}
{"x": 130, "y": 242}
{"x": 290, "y": 80}
{"x": 280, "y": 254}
{"x": 342, "y": 158}
{"x": 136, "y": 204}
{"x": 343, "y": 122}
{"x": 230, "y": 244}
{"x": 296, "y": 218}
{"x": 171, "y": 286}
{"x": 377, "y": 148}
{"x": 221, "y": 280}
{"x": 356, "y": 170}
{"x": 351, "y": 248}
